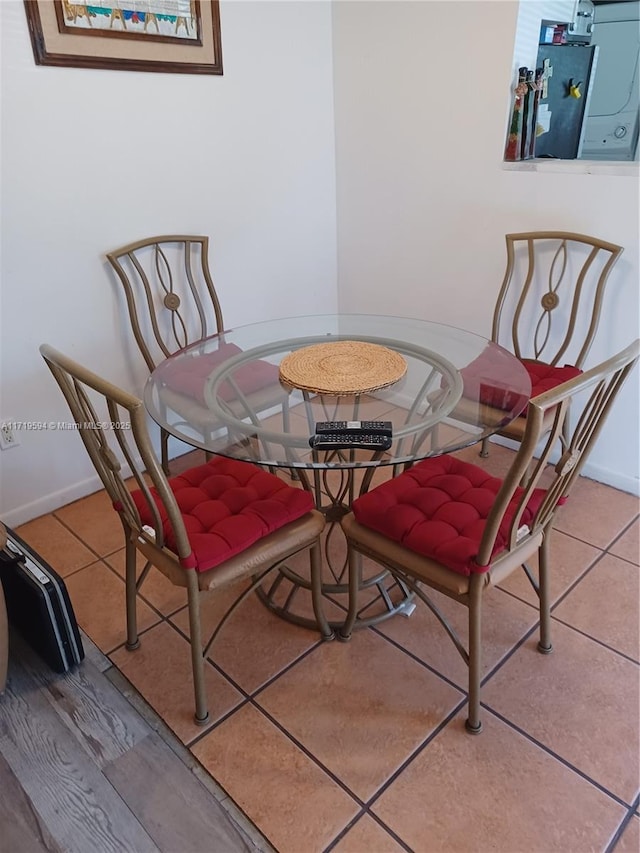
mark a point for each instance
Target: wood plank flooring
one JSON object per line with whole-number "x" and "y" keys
{"x": 86, "y": 765}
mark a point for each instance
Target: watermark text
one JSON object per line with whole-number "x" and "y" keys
{"x": 64, "y": 425}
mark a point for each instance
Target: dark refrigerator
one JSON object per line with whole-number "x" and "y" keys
{"x": 567, "y": 95}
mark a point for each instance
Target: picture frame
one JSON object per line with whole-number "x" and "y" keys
{"x": 170, "y": 36}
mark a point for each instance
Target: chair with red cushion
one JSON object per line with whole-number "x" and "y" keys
{"x": 548, "y": 308}
{"x": 451, "y": 526}
{"x": 211, "y": 526}
{"x": 172, "y": 302}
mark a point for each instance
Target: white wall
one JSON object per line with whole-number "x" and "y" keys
{"x": 422, "y": 94}
{"x": 93, "y": 159}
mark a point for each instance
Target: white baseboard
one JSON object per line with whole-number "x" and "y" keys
{"x": 49, "y": 503}
{"x": 56, "y": 500}
{"x": 622, "y": 482}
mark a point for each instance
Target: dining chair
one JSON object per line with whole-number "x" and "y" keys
{"x": 172, "y": 302}
{"x": 448, "y": 525}
{"x": 547, "y": 311}
{"x": 211, "y": 526}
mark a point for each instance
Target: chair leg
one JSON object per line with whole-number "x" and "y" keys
{"x": 566, "y": 427}
{"x": 197, "y": 658}
{"x": 473, "y": 724}
{"x": 133, "y": 641}
{"x": 544, "y": 645}
{"x": 164, "y": 450}
{"x": 484, "y": 448}
{"x": 286, "y": 427}
{"x": 355, "y": 574}
{"x": 316, "y": 592}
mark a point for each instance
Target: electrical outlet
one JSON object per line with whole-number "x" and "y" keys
{"x": 8, "y": 436}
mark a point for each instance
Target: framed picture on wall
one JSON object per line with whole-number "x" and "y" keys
{"x": 172, "y": 36}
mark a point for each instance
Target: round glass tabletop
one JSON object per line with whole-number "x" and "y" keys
{"x": 225, "y": 394}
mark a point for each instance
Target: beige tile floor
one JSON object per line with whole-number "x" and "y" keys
{"x": 360, "y": 747}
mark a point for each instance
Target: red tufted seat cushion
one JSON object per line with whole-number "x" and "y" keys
{"x": 227, "y": 505}
{"x": 439, "y": 508}
{"x": 188, "y": 375}
{"x": 544, "y": 377}
{"x": 495, "y": 391}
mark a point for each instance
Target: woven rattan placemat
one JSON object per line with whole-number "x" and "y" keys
{"x": 342, "y": 367}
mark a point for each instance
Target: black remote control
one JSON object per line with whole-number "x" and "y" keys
{"x": 349, "y": 427}
{"x": 353, "y": 440}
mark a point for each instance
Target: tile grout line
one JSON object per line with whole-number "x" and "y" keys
{"x": 596, "y": 640}
{"x": 604, "y": 548}
{"x": 555, "y": 755}
{"x": 363, "y": 804}
{"x": 417, "y": 660}
{"x": 624, "y": 823}
{"x": 417, "y": 752}
{"x": 366, "y": 813}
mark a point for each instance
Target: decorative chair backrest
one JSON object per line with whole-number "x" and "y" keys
{"x": 170, "y": 295}
{"x": 118, "y": 432}
{"x": 551, "y": 295}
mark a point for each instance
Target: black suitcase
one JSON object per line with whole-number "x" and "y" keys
{"x": 38, "y": 605}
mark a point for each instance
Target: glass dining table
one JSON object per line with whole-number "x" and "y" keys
{"x": 244, "y": 394}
